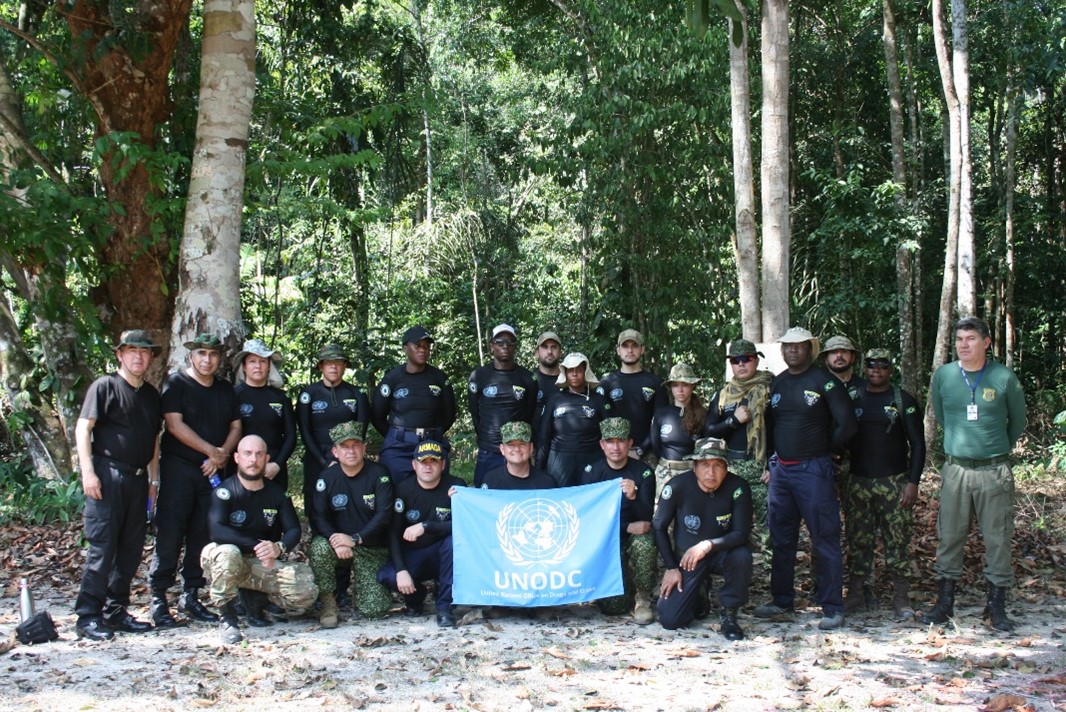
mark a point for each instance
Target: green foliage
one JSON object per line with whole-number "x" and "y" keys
{"x": 30, "y": 499}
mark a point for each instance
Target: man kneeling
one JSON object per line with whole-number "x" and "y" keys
{"x": 252, "y": 524}
{"x": 710, "y": 509}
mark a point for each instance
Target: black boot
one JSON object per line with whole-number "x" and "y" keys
{"x": 730, "y": 629}
{"x": 229, "y": 626}
{"x": 254, "y": 608}
{"x": 160, "y": 610}
{"x": 944, "y": 608}
{"x": 190, "y": 605}
{"x": 996, "y": 609}
{"x": 118, "y": 618}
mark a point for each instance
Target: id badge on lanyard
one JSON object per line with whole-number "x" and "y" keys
{"x": 971, "y": 412}
{"x": 971, "y": 409}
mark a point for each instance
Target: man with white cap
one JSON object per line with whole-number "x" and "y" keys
{"x": 710, "y": 511}
{"x": 635, "y": 394}
{"x": 810, "y": 418}
{"x": 569, "y": 430}
{"x": 499, "y": 392}
{"x": 265, "y": 409}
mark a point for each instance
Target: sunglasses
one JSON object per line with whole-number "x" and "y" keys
{"x": 878, "y": 365}
{"x": 737, "y": 360}
{"x": 504, "y": 342}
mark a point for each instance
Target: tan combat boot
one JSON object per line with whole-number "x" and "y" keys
{"x": 327, "y": 614}
{"x": 643, "y": 612}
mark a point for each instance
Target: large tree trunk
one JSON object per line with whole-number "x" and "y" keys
{"x": 904, "y": 248}
{"x": 746, "y": 239}
{"x": 775, "y": 170}
{"x": 1009, "y": 182}
{"x": 209, "y": 271}
{"x": 960, "y": 66}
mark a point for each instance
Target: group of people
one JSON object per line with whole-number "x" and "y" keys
{"x": 810, "y": 442}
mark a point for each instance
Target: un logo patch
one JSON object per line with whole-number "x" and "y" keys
{"x": 692, "y": 523}
{"x": 775, "y": 400}
{"x": 238, "y": 517}
{"x": 339, "y": 501}
{"x": 246, "y": 409}
{"x": 537, "y": 531}
{"x": 413, "y": 515}
{"x": 490, "y": 391}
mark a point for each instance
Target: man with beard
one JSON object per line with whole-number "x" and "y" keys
{"x": 635, "y": 394}
{"x": 810, "y": 419}
{"x": 498, "y": 393}
{"x": 203, "y": 427}
{"x": 549, "y": 354}
{"x": 414, "y": 403}
{"x": 737, "y": 414}
{"x": 118, "y": 454}
{"x": 252, "y": 526}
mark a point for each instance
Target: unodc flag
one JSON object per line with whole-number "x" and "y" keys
{"x": 536, "y": 547}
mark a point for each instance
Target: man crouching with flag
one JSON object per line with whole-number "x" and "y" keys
{"x": 710, "y": 509}
{"x": 638, "y": 502}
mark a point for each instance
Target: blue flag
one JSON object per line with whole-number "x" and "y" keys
{"x": 536, "y": 547}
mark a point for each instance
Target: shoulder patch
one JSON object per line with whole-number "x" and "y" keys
{"x": 222, "y": 493}
{"x": 398, "y": 505}
{"x": 305, "y": 397}
{"x": 384, "y": 478}
{"x": 830, "y": 386}
{"x": 320, "y": 486}
{"x": 385, "y": 390}
{"x": 737, "y": 492}
{"x": 647, "y": 473}
{"x": 668, "y": 492}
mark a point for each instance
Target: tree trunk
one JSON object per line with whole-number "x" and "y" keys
{"x": 775, "y": 170}
{"x": 904, "y": 255}
{"x": 1009, "y": 182}
{"x": 746, "y": 239}
{"x": 209, "y": 271}
{"x": 960, "y": 66}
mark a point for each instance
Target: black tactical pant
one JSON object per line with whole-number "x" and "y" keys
{"x": 181, "y": 520}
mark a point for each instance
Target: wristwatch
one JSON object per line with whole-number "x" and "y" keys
{"x": 284, "y": 550}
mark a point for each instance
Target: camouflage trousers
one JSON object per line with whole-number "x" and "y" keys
{"x": 872, "y": 507}
{"x": 663, "y": 474}
{"x": 638, "y": 572}
{"x": 751, "y": 471}
{"x": 371, "y": 599}
{"x": 289, "y": 585}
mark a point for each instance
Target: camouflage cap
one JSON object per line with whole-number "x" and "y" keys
{"x": 255, "y": 347}
{"x": 709, "y": 449}
{"x": 879, "y": 355}
{"x": 681, "y": 373}
{"x": 332, "y": 352}
{"x": 614, "y": 429}
{"x": 840, "y": 343}
{"x": 742, "y": 347}
{"x": 630, "y": 335}
{"x": 348, "y": 430}
{"x": 516, "y": 430}
{"x": 138, "y": 338}
{"x": 204, "y": 341}
{"x": 429, "y": 449}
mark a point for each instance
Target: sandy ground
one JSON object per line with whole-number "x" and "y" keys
{"x": 576, "y": 659}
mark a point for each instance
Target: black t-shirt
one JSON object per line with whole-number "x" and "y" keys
{"x": 413, "y": 400}
{"x": 635, "y": 397}
{"x": 208, "y": 410}
{"x": 637, "y": 510}
{"x": 878, "y": 450}
{"x": 810, "y": 415}
{"x": 723, "y": 516}
{"x": 500, "y": 479}
{"x": 319, "y": 408}
{"x": 267, "y": 412}
{"x": 546, "y": 385}
{"x": 669, "y": 439}
{"x": 127, "y": 419}
{"x": 432, "y": 508}
{"x": 245, "y": 517}
{"x": 497, "y": 397}
{"x": 359, "y": 505}
{"x": 571, "y": 423}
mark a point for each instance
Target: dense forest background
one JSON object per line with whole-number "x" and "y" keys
{"x": 563, "y": 164}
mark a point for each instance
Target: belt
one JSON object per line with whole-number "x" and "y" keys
{"x": 122, "y": 466}
{"x": 420, "y": 432}
{"x": 676, "y": 464}
{"x": 973, "y": 463}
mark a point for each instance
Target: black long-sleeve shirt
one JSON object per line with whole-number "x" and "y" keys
{"x": 267, "y": 412}
{"x": 724, "y": 425}
{"x": 723, "y": 516}
{"x": 498, "y": 396}
{"x": 500, "y": 479}
{"x": 810, "y": 415}
{"x": 635, "y": 397}
{"x": 245, "y": 517}
{"x": 890, "y": 440}
{"x": 635, "y": 510}
{"x": 669, "y": 439}
{"x": 570, "y": 423}
{"x": 413, "y": 400}
{"x": 320, "y": 407}
{"x": 430, "y": 507}
{"x": 359, "y": 506}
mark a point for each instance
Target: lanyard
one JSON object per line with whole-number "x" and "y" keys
{"x": 973, "y": 388}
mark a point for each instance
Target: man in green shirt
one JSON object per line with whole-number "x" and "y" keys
{"x": 981, "y": 406}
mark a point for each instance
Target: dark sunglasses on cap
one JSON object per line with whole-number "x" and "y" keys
{"x": 504, "y": 342}
{"x": 737, "y": 360}
{"x": 879, "y": 365}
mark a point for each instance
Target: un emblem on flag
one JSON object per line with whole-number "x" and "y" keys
{"x": 537, "y": 531}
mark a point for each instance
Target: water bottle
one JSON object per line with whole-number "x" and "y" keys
{"x": 26, "y": 608}
{"x": 215, "y": 481}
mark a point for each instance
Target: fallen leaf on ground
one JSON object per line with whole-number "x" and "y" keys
{"x": 885, "y": 702}
{"x": 1000, "y": 703}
